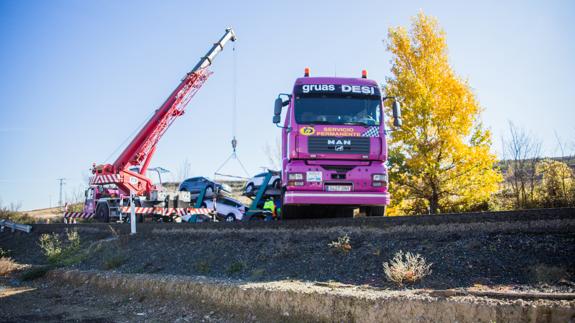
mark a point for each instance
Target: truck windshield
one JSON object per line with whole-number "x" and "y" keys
{"x": 338, "y": 110}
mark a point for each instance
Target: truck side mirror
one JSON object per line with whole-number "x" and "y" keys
{"x": 278, "y": 106}
{"x": 276, "y": 119}
{"x": 396, "y": 110}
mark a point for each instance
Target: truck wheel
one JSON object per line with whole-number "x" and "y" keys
{"x": 344, "y": 212}
{"x": 375, "y": 211}
{"x": 102, "y": 213}
{"x": 250, "y": 188}
{"x": 290, "y": 212}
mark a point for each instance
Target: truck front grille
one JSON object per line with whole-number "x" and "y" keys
{"x": 333, "y": 145}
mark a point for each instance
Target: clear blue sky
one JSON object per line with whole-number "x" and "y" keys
{"x": 78, "y": 77}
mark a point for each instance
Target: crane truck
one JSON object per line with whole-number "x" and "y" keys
{"x": 112, "y": 184}
{"x": 334, "y": 147}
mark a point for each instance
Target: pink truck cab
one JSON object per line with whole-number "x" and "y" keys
{"x": 334, "y": 147}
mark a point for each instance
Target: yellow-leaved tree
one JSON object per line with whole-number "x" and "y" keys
{"x": 440, "y": 160}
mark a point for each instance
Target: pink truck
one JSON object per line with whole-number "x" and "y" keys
{"x": 334, "y": 147}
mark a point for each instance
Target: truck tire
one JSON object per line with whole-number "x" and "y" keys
{"x": 344, "y": 212}
{"x": 102, "y": 213}
{"x": 375, "y": 211}
{"x": 289, "y": 212}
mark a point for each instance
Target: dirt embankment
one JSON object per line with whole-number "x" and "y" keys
{"x": 515, "y": 254}
{"x": 535, "y": 253}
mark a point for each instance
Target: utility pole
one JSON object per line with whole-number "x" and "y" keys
{"x": 62, "y": 183}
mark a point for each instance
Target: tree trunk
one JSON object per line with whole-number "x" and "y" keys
{"x": 434, "y": 200}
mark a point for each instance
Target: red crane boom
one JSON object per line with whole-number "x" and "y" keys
{"x": 141, "y": 149}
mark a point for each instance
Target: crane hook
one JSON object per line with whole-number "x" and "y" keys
{"x": 234, "y": 144}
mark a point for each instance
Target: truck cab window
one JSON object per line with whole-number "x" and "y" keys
{"x": 338, "y": 110}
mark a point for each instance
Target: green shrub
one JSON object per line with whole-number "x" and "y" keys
{"x": 236, "y": 267}
{"x": 59, "y": 253}
{"x": 51, "y": 246}
{"x": 4, "y": 253}
{"x": 203, "y": 266}
{"x": 113, "y": 260}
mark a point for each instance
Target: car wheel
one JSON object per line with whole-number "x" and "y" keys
{"x": 230, "y": 218}
{"x": 250, "y": 188}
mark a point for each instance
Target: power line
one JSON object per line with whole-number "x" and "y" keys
{"x": 62, "y": 183}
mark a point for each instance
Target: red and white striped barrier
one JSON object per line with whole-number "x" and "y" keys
{"x": 78, "y": 215}
{"x": 70, "y": 217}
{"x": 166, "y": 211}
{"x": 104, "y": 179}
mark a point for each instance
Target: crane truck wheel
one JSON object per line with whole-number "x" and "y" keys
{"x": 249, "y": 188}
{"x": 102, "y": 213}
{"x": 375, "y": 211}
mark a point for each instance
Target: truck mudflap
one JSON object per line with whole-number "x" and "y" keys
{"x": 336, "y": 198}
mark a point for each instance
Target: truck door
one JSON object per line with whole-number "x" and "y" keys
{"x": 90, "y": 203}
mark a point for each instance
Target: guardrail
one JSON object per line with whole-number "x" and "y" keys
{"x": 14, "y": 226}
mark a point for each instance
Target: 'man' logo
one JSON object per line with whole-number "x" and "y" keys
{"x": 339, "y": 142}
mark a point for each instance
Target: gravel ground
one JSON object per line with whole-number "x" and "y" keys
{"x": 526, "y": 256}
{"x": 46, "y": 301}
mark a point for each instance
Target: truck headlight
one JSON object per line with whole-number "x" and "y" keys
{"x": 379, "y": 180}
{"x": 379, "y": 177}
{"x": 295, "y": 176}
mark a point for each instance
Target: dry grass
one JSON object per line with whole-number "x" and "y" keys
{"x": 342, "y": 243}
{"x": 7, "y": 266}
{"x": 406, "y": 268}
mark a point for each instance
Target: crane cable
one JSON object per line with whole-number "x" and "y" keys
{"x": 234, "y": 141}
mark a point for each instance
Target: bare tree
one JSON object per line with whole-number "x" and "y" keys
{"x": 274, "y": 154}
{"x": 15, "y": 206}
{"x": 184, "y": 171}
{"x": 521, "y": 152}
{"x": 77, "y": 194}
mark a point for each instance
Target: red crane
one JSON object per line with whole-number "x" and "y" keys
{"x": 140, "y": 151}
